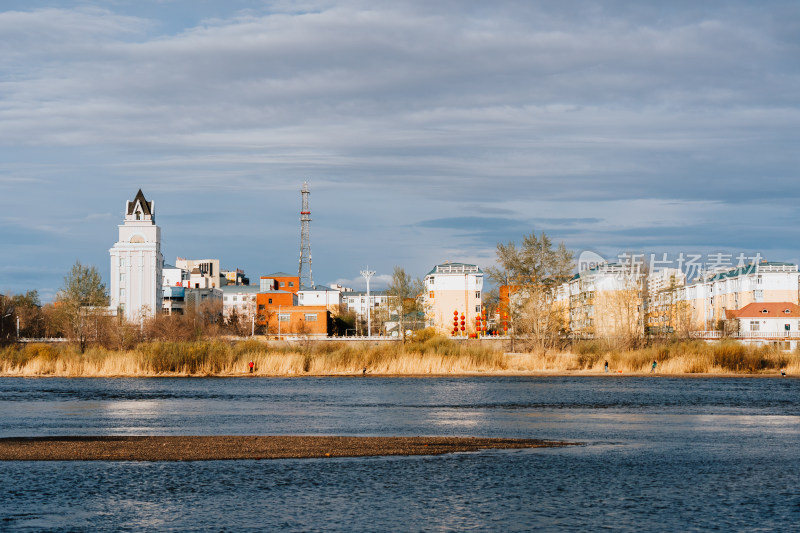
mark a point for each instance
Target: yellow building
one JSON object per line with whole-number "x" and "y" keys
{"x": 453, "y": 289}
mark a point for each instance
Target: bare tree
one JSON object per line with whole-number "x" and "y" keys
{"x": 404, "y": 293}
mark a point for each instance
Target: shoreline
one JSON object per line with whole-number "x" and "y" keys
{"x": 228, "y": 447}
{"x": 488, "y": 374}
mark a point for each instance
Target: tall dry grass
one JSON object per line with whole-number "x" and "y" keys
{"x": 429, "y": 354}
{"x": 218, "y": 358}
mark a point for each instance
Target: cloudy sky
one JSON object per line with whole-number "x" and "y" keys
{"x": 428, "y": 131}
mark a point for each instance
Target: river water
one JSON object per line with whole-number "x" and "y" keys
{"x": 658, "y": 454}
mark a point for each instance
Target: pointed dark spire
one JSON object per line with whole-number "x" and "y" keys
{"x": 147, "y": 207}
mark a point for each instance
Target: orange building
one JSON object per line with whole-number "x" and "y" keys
{"x": 285, "y": 282}
{"x": 299, "y": 321}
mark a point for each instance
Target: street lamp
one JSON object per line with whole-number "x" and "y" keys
{"x": 367, "y": 275}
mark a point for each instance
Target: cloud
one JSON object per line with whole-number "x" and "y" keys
{"x": 425, "y": 128}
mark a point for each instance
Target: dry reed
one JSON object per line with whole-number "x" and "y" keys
{"x": 428, "y": 355}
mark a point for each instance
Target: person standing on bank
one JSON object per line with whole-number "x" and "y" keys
{"x": 653, "y": 368}
{"x": 606, "y": 367}
{"x": 251, "y": 365}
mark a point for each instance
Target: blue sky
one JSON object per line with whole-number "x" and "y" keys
{"x": 428, "y": 131}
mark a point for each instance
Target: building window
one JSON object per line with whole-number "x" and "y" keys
{"x": 754, "y": 326}
{"x": 283, "y": 283}
{"x": 261, "y": 307}
{"x": 283, "y": 317}
{"x": 122, "y": 261}
{"x": 291, "y": 283}
{"x": 310, "y": 317}
{"x": 477, "y": 308}
{"x": 226, "y": 298}
{"x": 122, "y": 293}
{"x": 235, "y": 298}
{"x": 478, "y": 295}
{"x": 270, "y": 300}
{"x": 431, "y": 281}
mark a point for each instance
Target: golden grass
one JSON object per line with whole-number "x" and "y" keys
{"x": 430, "y": 355}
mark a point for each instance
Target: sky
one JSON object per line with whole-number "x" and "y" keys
{"x": 427, "y": 131}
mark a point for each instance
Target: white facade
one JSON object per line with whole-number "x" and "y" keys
{"x": 711, "y": 297}
{"x": 452, "y": 287}
{"x": 136, "y": 262}
{"x": 239, "y": 297}
{"x": 204, "y": 273}
{"x": 320, "y": 295}
{"x": 356, "y": 301}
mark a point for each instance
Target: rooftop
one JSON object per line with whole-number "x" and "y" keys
{"x": 455, "y": 268}
{"x": 766, "y": 310}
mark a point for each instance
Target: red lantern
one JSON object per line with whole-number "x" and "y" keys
{"x": 462, "y": 328}
{"x": 455, "y": 312}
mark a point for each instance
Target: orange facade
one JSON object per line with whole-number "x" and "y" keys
{"x": 268, "y": 303}
{"x": 311, "y": 320}
{"x": 286, "y": 282}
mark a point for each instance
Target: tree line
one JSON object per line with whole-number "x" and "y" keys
{"x": 80, "y": 313}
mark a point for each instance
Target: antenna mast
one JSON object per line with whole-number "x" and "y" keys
{"x": 304, "y": 271}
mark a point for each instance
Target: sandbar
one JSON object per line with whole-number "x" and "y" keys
{"x": 227, "y": 447}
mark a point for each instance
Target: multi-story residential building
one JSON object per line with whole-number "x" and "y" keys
{"x": 709, "y": 298}
{"x": 241, "y": 298}
{"x": 452, "y": 288}
{"x": 663, "y": 312}
{"x": 605, "y": 301}
{"x": 136, "y": 262}
{"x": 356, "y": 301}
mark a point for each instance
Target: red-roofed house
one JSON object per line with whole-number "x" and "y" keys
{"x": 768, "y": 321}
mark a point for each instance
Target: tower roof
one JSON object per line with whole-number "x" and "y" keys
{"x": 147, "y": 207}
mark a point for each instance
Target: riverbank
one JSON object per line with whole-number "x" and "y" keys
{"x": 433, "y": 357}
{"x": 212, "y": 448}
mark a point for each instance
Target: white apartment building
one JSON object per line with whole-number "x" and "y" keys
{"x": 356, "y": 301}
{"x": 452, "y": 288}
{"x": 136, "y": 262}
{"x": 710, "y": 298}
{"x": 242, "y": 298}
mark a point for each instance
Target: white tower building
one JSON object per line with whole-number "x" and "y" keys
{"x": 136, "y": 262}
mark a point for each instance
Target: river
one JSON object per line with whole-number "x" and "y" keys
{"x": 658, "y": 453}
